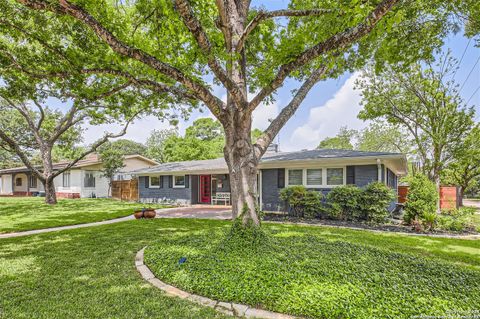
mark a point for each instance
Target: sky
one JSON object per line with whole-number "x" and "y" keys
{"x": 330, "y": 104}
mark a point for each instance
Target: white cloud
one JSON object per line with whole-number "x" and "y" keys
{"x": 138, "y": 131}
{"x": 263, "y": 113}
{"x": 326, "y": 120}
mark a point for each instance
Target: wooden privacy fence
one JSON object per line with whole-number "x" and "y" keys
{"x": 449, "y": 196}
{"x": 125, "y": 190}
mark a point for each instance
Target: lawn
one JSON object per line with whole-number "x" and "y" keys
{"x": 90, "y": 272}
{"x": 325, "y": 272}
{"x": 26, "y": 213}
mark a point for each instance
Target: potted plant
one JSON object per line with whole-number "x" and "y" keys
{"x": 145, "y": 213}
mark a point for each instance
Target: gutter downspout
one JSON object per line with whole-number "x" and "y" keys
{"x": 379, "y": 170}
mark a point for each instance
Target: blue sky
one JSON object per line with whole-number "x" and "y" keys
{"x": 330, "y": 104}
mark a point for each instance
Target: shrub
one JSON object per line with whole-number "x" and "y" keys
{"x": 343, "y": 202}
{"x": 302, "y": 202}
{"x": 457, "y": 219}
{"x": 374, "y": 201}
{"x": 422, "y": 198}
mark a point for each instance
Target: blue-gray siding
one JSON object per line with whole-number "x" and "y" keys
{"x": 359, "y": 175}
{"x": 272, "y": 182}
{"x": 165, "y": 192}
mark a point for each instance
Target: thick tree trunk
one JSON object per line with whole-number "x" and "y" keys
{"x": 436, "y": 180}
{"x": 46, "y": 153}
{"x": 50, "y": 195}
{"x": 462, "y": 193}
{"x": 242, "y": 166}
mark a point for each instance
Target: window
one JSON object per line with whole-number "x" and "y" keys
{"x": 18, "y": 181}
{"x": 334, "y": 176}
{"x": 295, "y": 177}
{"x": 89, "y": 180}
{"x": 179, "y": 181}
{"x": 66, "y": 179}
{"x": 314, "y": 177}
{"x": 33, "y": 181}
{"x": 154, "y": 181}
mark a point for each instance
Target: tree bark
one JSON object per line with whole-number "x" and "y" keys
{"x": 243, "y": 167}
{"x": 50, "y": 194}
{"x": 48, "y": 174}
{"x": 462, "y": 192}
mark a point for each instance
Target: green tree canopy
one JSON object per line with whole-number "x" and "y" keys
{"x": 381, "y": 136}
{"x": 464, "y": 170}
{"x": 205, "y": 129}
{"x": 343, "y": 140}
{"x": 125, "y": 147}
{"x": 426, "y": 102}
{"x": 156, "y": 144}
{"x": 163, "y": 54}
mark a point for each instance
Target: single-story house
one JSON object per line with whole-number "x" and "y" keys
{"x": 84, "y": 179}
{"x": 207, "y": 181}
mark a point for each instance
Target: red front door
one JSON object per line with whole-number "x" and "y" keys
{"x": 205, "y": 188}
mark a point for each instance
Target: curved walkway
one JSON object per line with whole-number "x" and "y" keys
{"x": 228, "y": 308}
{"x": 175, "y": 212}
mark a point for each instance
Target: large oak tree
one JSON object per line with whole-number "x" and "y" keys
{"x": 177, "y": 47}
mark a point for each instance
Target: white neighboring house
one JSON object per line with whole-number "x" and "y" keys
{"x": 84, "y": 179}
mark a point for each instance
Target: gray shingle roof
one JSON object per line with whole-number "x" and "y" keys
{"x": 219, "y": 163}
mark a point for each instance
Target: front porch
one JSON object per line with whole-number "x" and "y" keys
{"x": 211, "y": 189}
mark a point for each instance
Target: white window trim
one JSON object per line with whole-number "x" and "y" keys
{"x": 69, "y": 179}
{"x": 94, "y": 180}
{"x": 324, "y": 176}
{"x": 179, "y": 186}
{"x": 150, "y": 182}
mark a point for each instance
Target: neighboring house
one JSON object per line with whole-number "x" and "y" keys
{"x": 207, "y": 181}
{"x": 84, "y": 179}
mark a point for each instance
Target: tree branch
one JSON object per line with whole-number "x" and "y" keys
{"x": 196, "y": 29}
{"x": 287, "y": 112}
{"x": 42, "y": 114}
{"x": 265, "y": 15}
{"x": 65, "y": 7}
{"x": 17, "y": 149}
{"x": 94, "y": 146}
{"x": 337, "y": 41}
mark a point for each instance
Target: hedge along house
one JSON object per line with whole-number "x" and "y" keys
{"x": 207, "y": 181}
{"x": 84, "y": 179}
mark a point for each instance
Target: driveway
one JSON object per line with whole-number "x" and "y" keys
{"x": 208, "y": 212}
{"x": 472, "y": 203}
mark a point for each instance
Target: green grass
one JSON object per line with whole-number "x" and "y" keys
{"x": 27, "y": 213}
{"x": 321, "y": 272}
{"x": 89, "y": 273}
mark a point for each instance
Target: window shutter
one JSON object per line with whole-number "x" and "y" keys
{"x": 170, "y": 181}
{"x": 281, "y": 178}
{"x": 161, "y": 181}
{"x": 187, "y": 181}
{"x": 350, "y": 175}
{"x": 147, "y": 179}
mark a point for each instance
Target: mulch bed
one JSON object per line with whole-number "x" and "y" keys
{"x": 393, "y": 227}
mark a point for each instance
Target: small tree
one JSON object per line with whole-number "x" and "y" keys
{"x": 424, "y": 101}
{"x": 464, "y": 170}
{"x": 112, "y": 162}
{"x": 422, "y": 198}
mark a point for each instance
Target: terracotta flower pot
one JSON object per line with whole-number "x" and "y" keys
{"x": 149, "y": 213}
{"x": 138, "y": 214}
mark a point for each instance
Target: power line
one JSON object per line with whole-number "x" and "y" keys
{"x": 471, "y": 71}
{"x": 461, "y": 59}
{"x": 471, "y": 97}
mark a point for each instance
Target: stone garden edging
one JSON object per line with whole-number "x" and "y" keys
{"x": 228, "y": 308}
